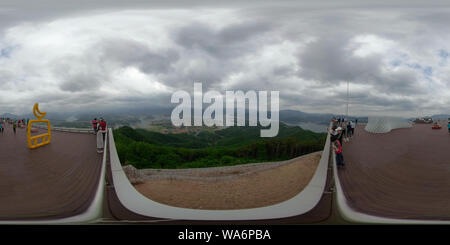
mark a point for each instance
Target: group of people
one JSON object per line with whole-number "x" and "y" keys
{"x": 22, "y": 123}
{"x": 341, "y": 131}
{"x": 100, "y": 127}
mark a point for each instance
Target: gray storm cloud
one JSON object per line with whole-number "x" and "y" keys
{"x": 112, "y": 54}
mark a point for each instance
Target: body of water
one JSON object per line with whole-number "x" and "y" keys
{"x": 315, "y": 127}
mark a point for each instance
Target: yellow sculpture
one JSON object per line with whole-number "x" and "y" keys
{"x": 33, "y": 140}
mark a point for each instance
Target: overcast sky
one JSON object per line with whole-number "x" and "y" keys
{"x": 100, "y": 55}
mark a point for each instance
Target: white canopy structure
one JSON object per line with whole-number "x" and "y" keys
{"x": 386, "y": 124}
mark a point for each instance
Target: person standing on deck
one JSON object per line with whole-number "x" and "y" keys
{"x": 334, "y": 123}
{"x": 340, "y": 135}
{"x": 95, "y": 125}
{"x": 101, "y": 133}
{"x": 344, "y": 131}
{"x": 1, "y": 126}
{"x": 352, "y": 125}
{"x": 102, "y": 126}
{"x": 333, "y": 132}
{"x": 448, "y": 125}
{"x": 14, "y": 127}
{"x": 349, "y": 129}
{"x": 338, "y": 150}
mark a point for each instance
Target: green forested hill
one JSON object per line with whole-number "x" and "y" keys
{"x": 229, "y": 146}
{"x": 231, "y": 136}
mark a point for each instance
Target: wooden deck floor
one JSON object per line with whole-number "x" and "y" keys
{"x": 54, "y": 181}
{"x": 402, "y": 174}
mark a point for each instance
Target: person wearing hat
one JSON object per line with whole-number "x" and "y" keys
{"x": 340, "y": 135}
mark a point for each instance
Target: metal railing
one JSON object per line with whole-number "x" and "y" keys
{"x": 64, "y": 129}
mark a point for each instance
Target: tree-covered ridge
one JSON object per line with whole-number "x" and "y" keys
{"x": 229, "y": 146}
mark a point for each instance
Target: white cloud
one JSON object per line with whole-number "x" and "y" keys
{"x": 133, "y": 57}
{"x": 365, "y": 45}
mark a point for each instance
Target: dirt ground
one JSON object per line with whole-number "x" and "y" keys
{"x": 257, "y": 189}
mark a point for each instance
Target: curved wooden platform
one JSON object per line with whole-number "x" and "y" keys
{"x": 403, "y": 174}
{"x": 55, "y": 181}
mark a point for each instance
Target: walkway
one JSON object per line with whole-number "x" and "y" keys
{"x": 54, "y": 181}
{"x": 404, "y": 174}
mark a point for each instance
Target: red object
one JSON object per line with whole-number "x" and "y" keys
{"x": 102, "y": 125}
{"x": 94, "y": 123}
{"x": 436, "y": 127}
{"x": 339, "y": 148}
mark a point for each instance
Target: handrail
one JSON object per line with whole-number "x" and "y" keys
{"x": 302, "y": 203}
{"x": 63, "y": 129}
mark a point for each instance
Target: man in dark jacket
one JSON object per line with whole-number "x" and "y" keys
{"x": 95, "y": 125}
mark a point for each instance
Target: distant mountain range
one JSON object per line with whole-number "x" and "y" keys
{"x": 287, "y": 116}
{"x": 90, "y": 115}
{"x": 8, "y": 115}
{"x": 290, "y": 117}
{"x": 441, "y": 116}
{"x": 434, "y": 117}
{"x": 298, "y": 117}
